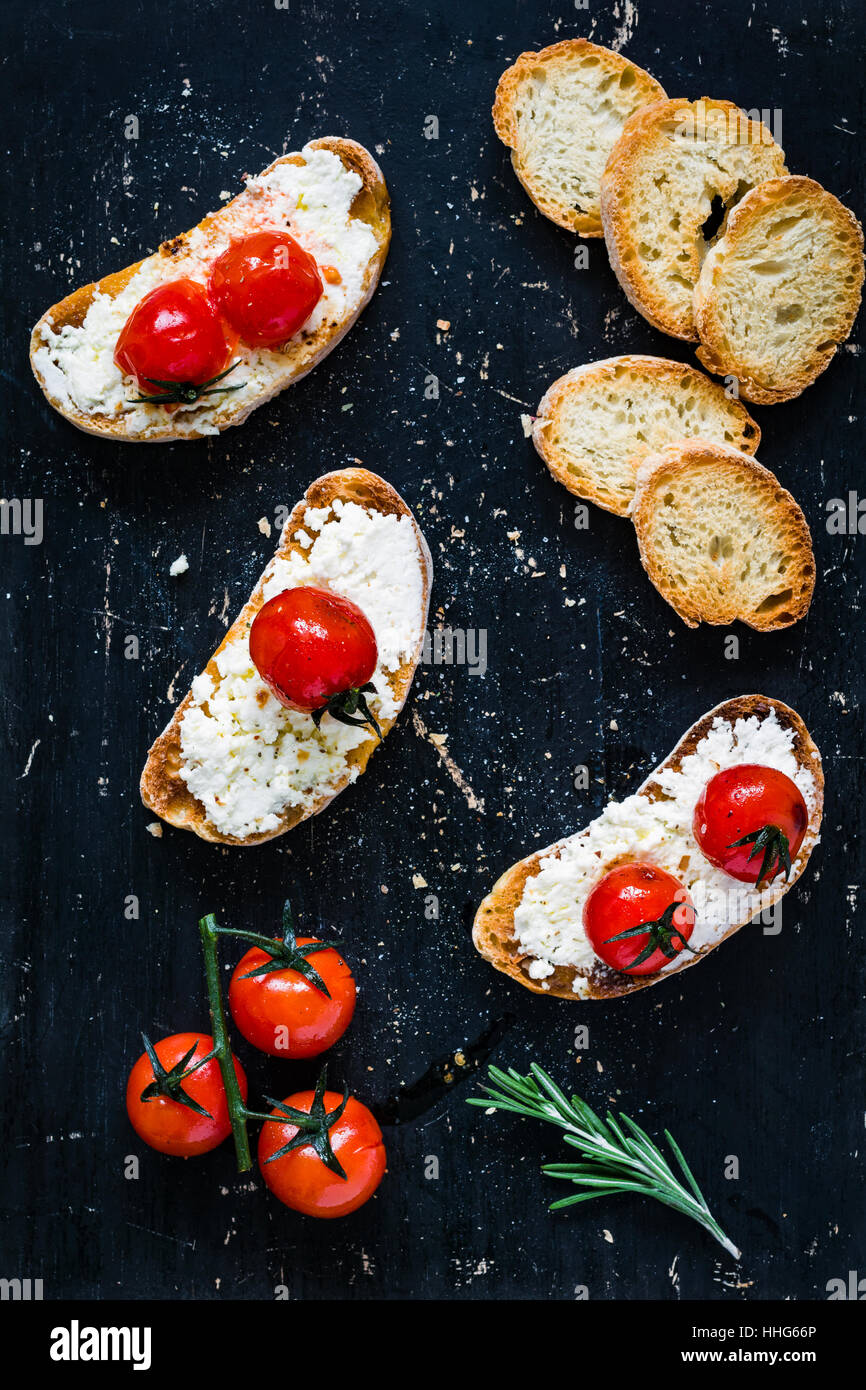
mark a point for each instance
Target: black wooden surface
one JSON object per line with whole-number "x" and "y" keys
{"x": 757, "y": 1054}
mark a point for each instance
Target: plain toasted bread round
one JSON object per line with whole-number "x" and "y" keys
{"x": 163, "y": 790}
{"x": 304, "y": 352}
{"x": 721, "y": 539}
{"x": 781, "y": 289}
{"x": 559, "y": 110}
{"x": 493, "y": 931}
{"x": 598, "y": 422}
{"x": 676, "y": 167}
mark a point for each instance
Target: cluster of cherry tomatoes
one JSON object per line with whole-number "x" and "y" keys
{"x": 179, "y": 339}
{"x": 320, "y": 1152}
{"x": 749, "y": 821}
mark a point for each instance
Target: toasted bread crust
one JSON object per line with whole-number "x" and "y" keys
{"x": 663, "y": 470}
{"x": 586, "y": 224}
{"x": 163, "y": 790}
{"x": 371, "y": 205}
{"x": 713, "y": 351}
{"x": 662, "y": 370}
{"x": 493, "y": 930}
{"x": 622, "y": 242}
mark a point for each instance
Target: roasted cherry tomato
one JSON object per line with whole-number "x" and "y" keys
{"x": 267, "y": 286}
{"x": 339, "y": 1167}
{"x": 316, "y": 651}
{"x": 295, "y": 1001}
{"x": 638, "y": 918}
{"x": 175, "y": 1105}
{"x": 174, "y": 343}
{"x": 750, "y": 821}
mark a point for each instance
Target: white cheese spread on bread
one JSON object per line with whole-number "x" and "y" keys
{"x": 312, "y": 201}
{"x": 548, "y": 922}
{"x": 246, "y": 757}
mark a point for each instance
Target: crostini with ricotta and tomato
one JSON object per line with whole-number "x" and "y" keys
{"x": 190, "y": 340}
{"x": 310, "y": 676}
{"x": 715, "y": 836}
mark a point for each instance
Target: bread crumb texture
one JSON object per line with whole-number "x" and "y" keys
{"x": 721, "y": 539}
{"x": 781, "y": 289}
{"x": 560, "y": 111}
{"x": 596, "y": 424}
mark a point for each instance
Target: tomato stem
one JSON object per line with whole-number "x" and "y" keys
{"x": 238, "y": 1113}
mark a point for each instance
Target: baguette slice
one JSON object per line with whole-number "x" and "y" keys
{"x": 560, "y": 112}
{"x": 721, "y": 539}
{"x": 165, "y": 791}
{"x": 598, "y": 422}
{"x": 780, "y": 291}
{"x": 677, "y": 166}
{"x": 494, "y": 931}
{"x": 89, "y": 391}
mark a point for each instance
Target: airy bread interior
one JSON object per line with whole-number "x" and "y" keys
{"x": 781, "y": 289}
{"x": 597, "y": 423}
{"x": 668, "y": 187}
{"x": 561, "y": 110}
{"x": 721, "y": 539}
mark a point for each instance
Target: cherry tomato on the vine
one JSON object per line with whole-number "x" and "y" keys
{"x": 340, "y": 1166}
{"x": 285, "y": 1011}
{"x": 750, "y": 821}
{"x": 165, "y": 1103}
{"x": 267, "y": 286}
{"x": 648, "y": 904}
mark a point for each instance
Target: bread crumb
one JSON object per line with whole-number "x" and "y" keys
{"x": 179, "y": 566}
{"x": 264, "y": 525}
{"x": 444, "y": 324}
{"x": 418, "y": 881}
{"x": 526, "y": 422}
{"x": 154, "y": 828}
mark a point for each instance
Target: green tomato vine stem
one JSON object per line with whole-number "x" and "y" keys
{"x": 238, "y": 1113}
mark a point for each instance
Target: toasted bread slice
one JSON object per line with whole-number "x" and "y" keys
{"x": 780, "y": 291}
{"x": 788, "y": 745}
{"x": 334, "y": 755}
{"x": 596, "y": 423}
{"x": 721, "y": 539}
{"x": 678, "y": 167}
{"x": 336, "y": 205}
{"x": 560, "y": 112}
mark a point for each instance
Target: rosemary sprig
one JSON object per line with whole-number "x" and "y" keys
{"x": 620, "y": 1156}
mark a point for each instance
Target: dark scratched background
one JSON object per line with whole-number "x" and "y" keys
{"x": 760, "y": 1053}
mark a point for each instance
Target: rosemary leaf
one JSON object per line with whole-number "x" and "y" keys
{"x": 621, "y": 1156}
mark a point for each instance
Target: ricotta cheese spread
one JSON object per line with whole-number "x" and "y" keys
{"x": 311, "y": 201}
{"x": 245, "y": 756}
{"x": 548, "y": 921}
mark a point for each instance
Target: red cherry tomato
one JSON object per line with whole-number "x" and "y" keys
{"x": 174, "y": 334}
{"x": 758, "y": 806}
{"x": 309, "y": 645}
{"x": 172, "y": 1126}
{"x": 286, "y": 1014}
{"x": 634, "y": 896}
{"x": 267, "y": 286}
{"x": 301, "y": 1180}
